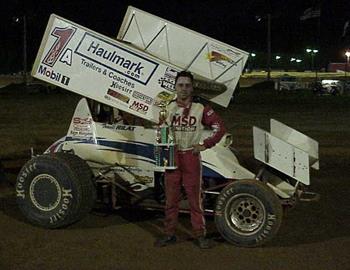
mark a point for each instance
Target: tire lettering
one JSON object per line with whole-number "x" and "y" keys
{"x": 20, "y": 193}
{"x": 67, "y": 195}
{"x": 21, "y": 179}
{"x": 53, "y": 219}
{"x": 19, "y": 185}
{"x": 269, "y": 225}
{"x": 271, "y": 217}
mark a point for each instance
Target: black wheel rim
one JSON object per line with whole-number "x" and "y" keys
{"x": 45, "y": 192}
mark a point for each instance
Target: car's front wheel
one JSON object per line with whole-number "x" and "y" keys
{"x": 55, "y": 190}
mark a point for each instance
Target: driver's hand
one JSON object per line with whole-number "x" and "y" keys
{"x": 197, "y": 148}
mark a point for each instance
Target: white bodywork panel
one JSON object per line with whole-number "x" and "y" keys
{"x": 286, "y": 150}
{"x": 221, "y": 159}
{"x": 131, "y": 149}
{"x": 206, "y": 57}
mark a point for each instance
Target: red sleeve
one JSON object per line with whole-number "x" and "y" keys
{"x": 213, "y": 120}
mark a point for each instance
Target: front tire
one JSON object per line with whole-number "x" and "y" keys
{"x": 55, "y": 190}
{"x": 248, "y": 213}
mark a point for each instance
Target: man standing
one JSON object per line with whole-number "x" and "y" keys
{"x": 188, "y": 119}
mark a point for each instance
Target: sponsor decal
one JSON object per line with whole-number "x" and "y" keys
{"x": 81, "y": 127}
{"x": 184, "y": 128}
{"x": 183, "y": 120}
{"x": 214, "y": 56}
{"x": 221, "y": 57}
{"x": 119, "y": 127}
{"x": 63, "y": 36}
{"x": 210, "y": 112}
{"x": 126, "y": 128}
{"x": 124, "y": 88}
{"x": 184, "y": 123}
{"x": 139, "y": 107}
{"x": 167, "y": 84}
{"x": 122, "y": 127}
{"x": 127, "y": 169}
{"x": 118, "y": 95}
{"x": 142, "y": 97}
{"x": 163, "y": 97}
{"x": 91, "y": 65}
{"x": 170, "y": 73}
{"x": 54, "y": 76}
{"x": 82, "y": 121}
{"x": 168, "y": 80}
{"x": 115, "y": 58}
{"x": 143, "y": 179}
{"x": 117, "y": 79}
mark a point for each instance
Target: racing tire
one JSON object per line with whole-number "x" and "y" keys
{"x": 55, "y": 190}
{"x": 248, "y": 213}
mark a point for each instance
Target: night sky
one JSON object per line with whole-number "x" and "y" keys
{"x": 238, "y": 23}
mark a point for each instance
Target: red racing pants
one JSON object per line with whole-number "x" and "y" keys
{"x": 188, "y": 174}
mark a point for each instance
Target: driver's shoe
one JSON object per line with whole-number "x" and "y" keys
{"x": 165, "y": 241}
{"x": 203, "y": 243}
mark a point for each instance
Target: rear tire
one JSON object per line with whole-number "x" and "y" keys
{"x": 55, "y": 190}
{"x": 248, "y": 213}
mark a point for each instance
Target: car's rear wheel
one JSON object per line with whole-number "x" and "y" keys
{"x": 248, "y": 213}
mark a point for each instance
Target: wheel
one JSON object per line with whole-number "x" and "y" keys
{"x": 248, "y": 213}
{"x": 55, "y": 190}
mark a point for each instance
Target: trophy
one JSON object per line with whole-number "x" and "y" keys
{"x": 165, "y": 141}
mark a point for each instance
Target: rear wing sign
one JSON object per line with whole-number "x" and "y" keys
{"x": 95, "y": 66}
{"x": 129, "y": 76}
{"x": 217, "y": 66}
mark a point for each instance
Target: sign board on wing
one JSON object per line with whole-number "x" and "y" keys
{"x": 216, "y": 64}
{"x": 95, "y": 66}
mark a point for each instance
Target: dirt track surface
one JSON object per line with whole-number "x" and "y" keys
{"x": 313, "y": 235}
